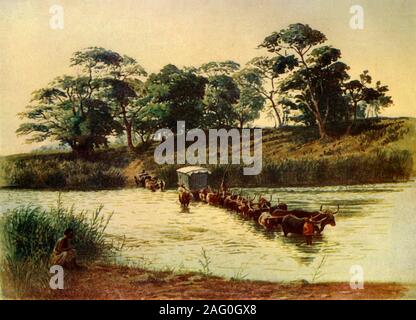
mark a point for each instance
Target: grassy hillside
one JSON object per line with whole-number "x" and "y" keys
{"x": 378, "y": 150}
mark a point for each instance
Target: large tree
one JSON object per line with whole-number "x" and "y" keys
{"x": 317, "y": 68}
{"x": 80, "y": 111}
{"x": 374, "y": 107}
{"x": 251, "y": 101}
{"x": 69, "y": 111}
{"x": 221, "y": 93}
{"x": 265, "y": 74}
{"x": 121, "y": 81}
{"x": 359, "y": 92}
{"x": 125, "y": 90}
{"x": 176, "y": 94}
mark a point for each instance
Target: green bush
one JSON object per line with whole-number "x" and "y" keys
{"x": 28, "y": 238}
{"x": 63, "y": 174}
{"x": 31, "y": 233}
{"x": 376, "y": 167}
{"x": 168, "y": 174}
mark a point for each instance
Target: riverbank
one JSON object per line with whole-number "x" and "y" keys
{"x": 377, "y": 151}
{"x": 103, "y": 282}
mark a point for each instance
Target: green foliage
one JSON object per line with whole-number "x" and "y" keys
{"x": 29, "y": 235}
{"x": 69, "y": 111}
{"x": 168, "y": 174}
{"x": 62, "y": 174}
{"x": 316, "y": 85}
{"x": 386, "y": 166}
{"x": 176, "y": 95}
{"x": 205, "y": 262}
{"x": 124, "y": 91}
{"x": 262, "y": 75}
{"x": 301, "y": 80}
{"x": 214, "y": 68}
{"x": 221, "y": 94}
{"x": 232, "y": 96}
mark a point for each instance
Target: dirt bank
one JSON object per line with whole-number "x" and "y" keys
{"x": 115, "y": 282}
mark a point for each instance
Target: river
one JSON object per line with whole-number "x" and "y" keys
{"x": 376, "y": 230}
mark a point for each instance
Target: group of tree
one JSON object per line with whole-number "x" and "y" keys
{"x": 298, "y": 80}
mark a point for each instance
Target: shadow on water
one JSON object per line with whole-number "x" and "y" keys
{"x": 184, "y": 210}
{"x": 353, "y": 189}
{"x": 293, "y": 245}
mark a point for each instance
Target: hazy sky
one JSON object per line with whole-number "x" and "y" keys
{"x": 191, "y": 32}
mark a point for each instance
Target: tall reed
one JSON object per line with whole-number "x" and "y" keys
{"x": 28, "y": 236}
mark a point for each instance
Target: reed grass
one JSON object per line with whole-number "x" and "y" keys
{"x": 374, "y": 167}
{"x": 61, "y": 174}
{"x": 28, "y": 235}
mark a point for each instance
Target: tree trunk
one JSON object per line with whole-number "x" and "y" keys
{"x": 322, "y": 128}
{"x": 276, "y": 110}
{"x": 81, "y": 150}
{"x": 129, "y": 135}
{"x": 127, "y": 127}
{"x": 350, "y": 125}
{"x": 321, "y": 123}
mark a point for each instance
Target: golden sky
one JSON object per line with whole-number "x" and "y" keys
{"x": 191, "y": 32}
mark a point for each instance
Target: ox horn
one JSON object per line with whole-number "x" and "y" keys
{"x": 321, "y": 207}
{"x": 337, "y": 210}
{"x": 271, "y": 198}
{"x": 316, "y": 217}
{"x": 319, "y": 221}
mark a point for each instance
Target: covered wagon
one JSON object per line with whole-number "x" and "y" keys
{"x": 193, "y": 178}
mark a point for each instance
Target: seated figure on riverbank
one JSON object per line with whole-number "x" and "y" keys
{"x": 64, "y": 253}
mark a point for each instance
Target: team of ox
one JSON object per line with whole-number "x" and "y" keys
{"x": 145, "y": 180}
{"x": 270, "y": 216}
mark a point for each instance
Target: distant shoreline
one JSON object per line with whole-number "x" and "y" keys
{"x": 378, "y": 151}
{"x": 231, "y": 186}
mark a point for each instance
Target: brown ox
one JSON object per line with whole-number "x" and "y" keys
{"x": 321, "y": 218}
{"x": 203, "y": 194}
{"x": 151, "y": 184}
{"x": 230, "y": 201}
{"x": 213, "y": 198}
{"x": 223, "y": 195}
{"x": 256, "y": 209}
{"x": 278, "y": 206}
{"x": 185, "y": 198}
{"x": 244, "y": 206}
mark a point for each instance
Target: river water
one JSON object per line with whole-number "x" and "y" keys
{"x": 376, "y": 230}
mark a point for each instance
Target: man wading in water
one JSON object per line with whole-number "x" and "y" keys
{"x": 308, "y": 230}
{"x": 181, "y": 190}
{"x": 64, "y": 253}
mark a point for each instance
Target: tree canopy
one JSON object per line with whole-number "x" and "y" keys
{"x": 299, "y": 79}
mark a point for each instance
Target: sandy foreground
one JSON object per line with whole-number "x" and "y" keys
{"x": 117, "y": 282}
